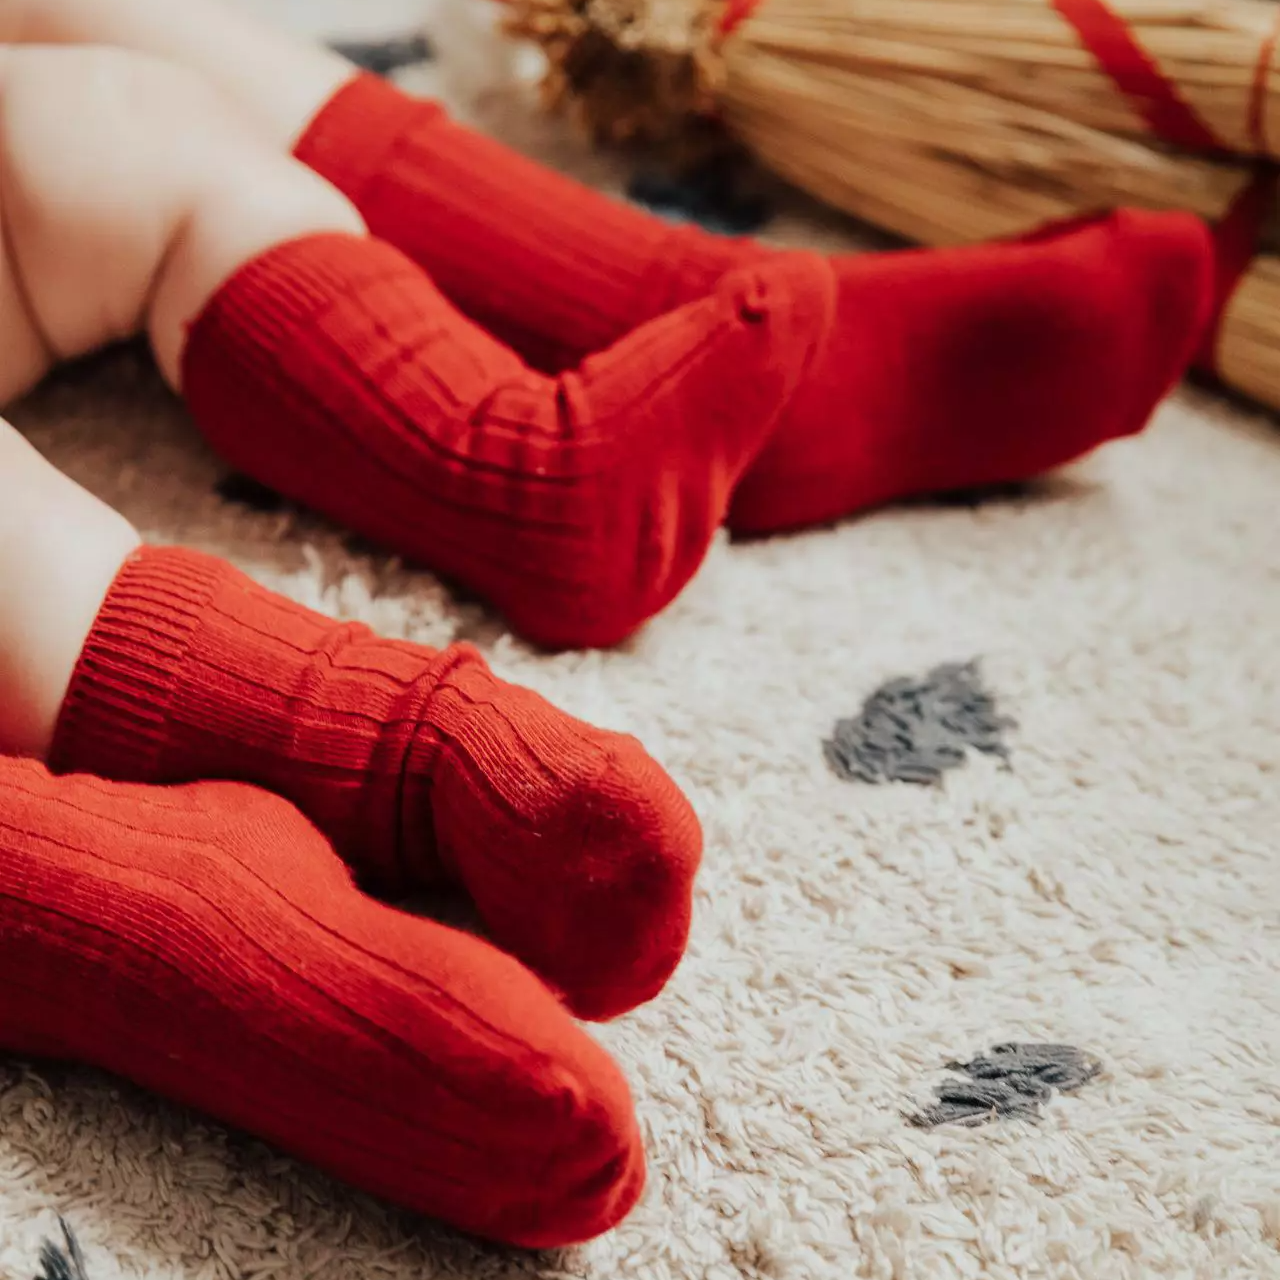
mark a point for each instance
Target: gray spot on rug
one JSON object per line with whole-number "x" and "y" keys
{"x": 1012, "y": 1082}
{"x": 62, "y": 1261}
{"x": 916, "y": 729}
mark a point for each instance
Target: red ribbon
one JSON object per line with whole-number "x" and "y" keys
{"x": 1152, "y": 94}
{"x": 1258, "y": 103}
{"x": 736, "y": 12}
{"x": 1136, "y": 74}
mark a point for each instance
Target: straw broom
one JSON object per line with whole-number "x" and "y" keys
{"x": 947, "y": 121}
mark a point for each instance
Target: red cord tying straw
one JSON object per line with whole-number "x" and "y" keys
{"x": 1135, "y": 73}
{"x": 736, "y": 12}
{"x": 1137, "y": 76}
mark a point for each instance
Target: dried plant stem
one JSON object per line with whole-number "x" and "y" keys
{"x": 947, "y": 121}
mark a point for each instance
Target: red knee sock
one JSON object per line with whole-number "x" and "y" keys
{"x": 946, "y": 370}
{"x": 333, "y": 371}
{"x": 205, "y": 942}
{"x": 551, "y": 267}
{"x": 576, "y": 847}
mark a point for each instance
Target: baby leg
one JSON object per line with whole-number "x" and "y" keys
{"x": 60, "y": 549}
{"x": 548, "y": 266}
{"x": 204, "y": 942}
{"x": 279, "y": 80}
{"x": 952, "y": 369}
{"x": 416, "y": 764}
{"x": 578, "y": 850}
{"x": 97, "y": 195}
{"x": 329, "y": 366}
{"x": 131, "y": 190}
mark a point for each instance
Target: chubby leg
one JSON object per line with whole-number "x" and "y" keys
{"x": 109, "y": 228}
{"x": 205, "y": 942}
{"x": 329, "y": 366}
{"x": 417, "y": 765}
{"x": 163, "y": 665}
{"x": 130, "y": 191}
{"x": 947, "y": 369}
{"x": 280, "y": 81}
{"x": 60, "y": 549}
{"x": 550, "y": 267}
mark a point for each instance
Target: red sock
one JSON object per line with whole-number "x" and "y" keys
{"x": 953, "y": 369}
{"x": 576, "y": 847}
{"x": 554, "y": 269}
{"x": 205, "y": 943}
{"x": 331, "y": 370}
{"x": 946, "y": 370}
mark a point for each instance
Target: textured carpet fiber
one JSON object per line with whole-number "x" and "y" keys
{"x": 1114, "y": 888}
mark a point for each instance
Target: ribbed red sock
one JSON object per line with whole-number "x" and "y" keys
{"x": 206, "y": 943}
{"x": 554, "y": 269}
{"x": 947, "y": 369}
{"x": 578, "y": 850}
{"x": 333, "y": 371}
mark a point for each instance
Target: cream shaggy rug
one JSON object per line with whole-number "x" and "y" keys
{"x": 1116, "y": 888}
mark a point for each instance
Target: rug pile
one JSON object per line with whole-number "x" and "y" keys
{"x": 1106, "y": 881}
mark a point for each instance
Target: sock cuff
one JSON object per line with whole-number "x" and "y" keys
{"x": 355, "y": 134}
{"x": 297, "y": 279}
{"x": 114, "y": 717}
{"x": 256, "y": 312}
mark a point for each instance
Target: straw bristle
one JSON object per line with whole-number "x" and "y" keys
{"x": 915, "y": 143}
{"x": 633, "y": 71}
{"x": 947, "y": 120}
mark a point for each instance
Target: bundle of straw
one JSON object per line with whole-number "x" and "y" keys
{"x": 948, "y": 121}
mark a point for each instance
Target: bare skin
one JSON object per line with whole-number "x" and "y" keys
{"x": 278, "y": 81}
{"x": 129, "y": 192}
{"x": 60, "y": 547}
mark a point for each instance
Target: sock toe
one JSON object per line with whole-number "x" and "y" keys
{"x": 1170, "y": 260}
{"x": 236, "y": 968}
{"x": 1126, "y": 322}
{"x": 577, "y": 848}
{"x": 594, "y": 1172}
{"x": 625, "y": 912}
{"x": 982, "y": 365}
{"x": 687, "y": 402}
